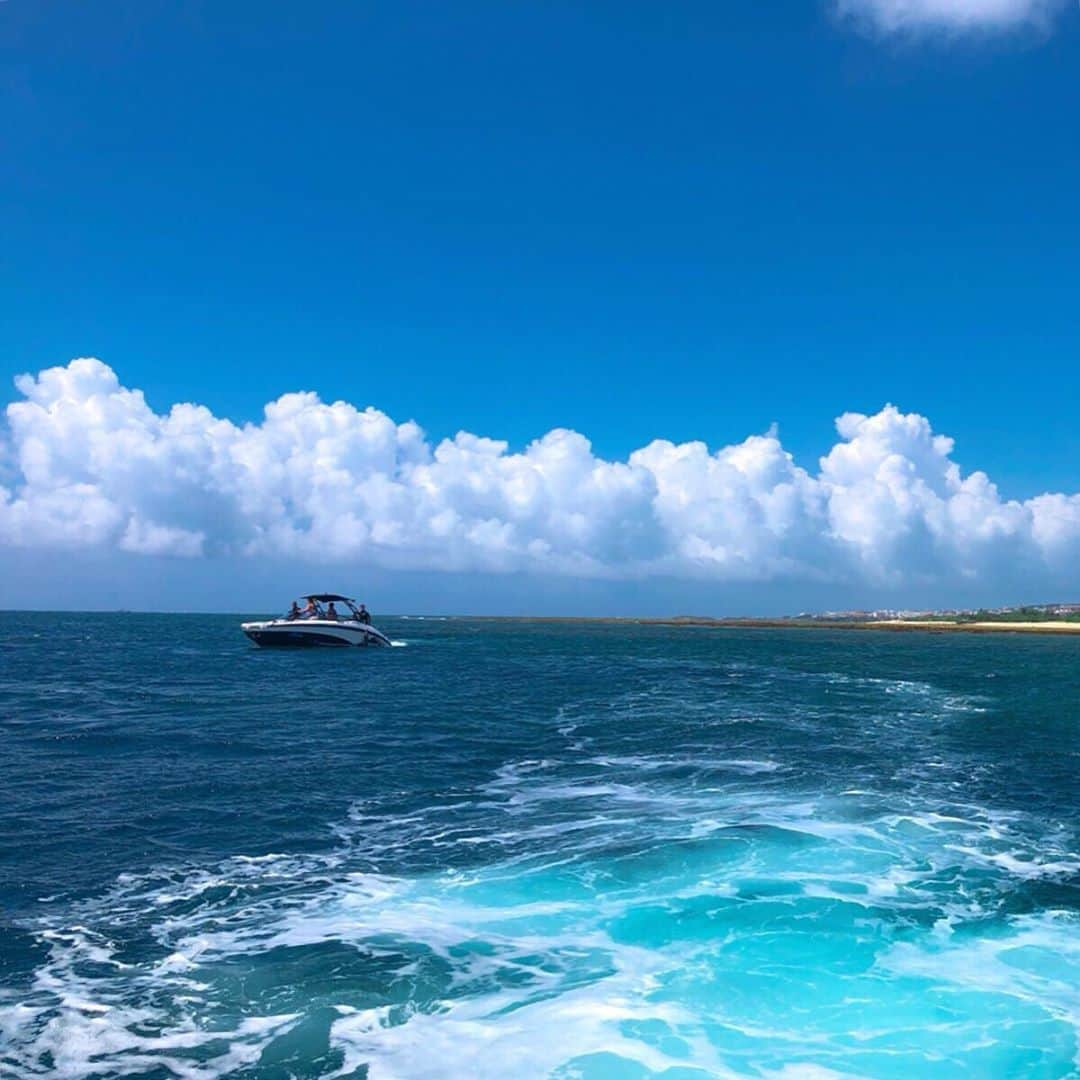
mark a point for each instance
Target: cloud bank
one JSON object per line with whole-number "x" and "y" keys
{"x": 86, "y": 463}
{"x": 892, "y": 16}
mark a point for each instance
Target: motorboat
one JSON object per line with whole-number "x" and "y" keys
{"x": 317, "y": 624}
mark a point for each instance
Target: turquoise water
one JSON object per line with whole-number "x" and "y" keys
{"x": 531, "y": 850}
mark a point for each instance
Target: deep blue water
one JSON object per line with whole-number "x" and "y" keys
{"x": 516, "y": 850}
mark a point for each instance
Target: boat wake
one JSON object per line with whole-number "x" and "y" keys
{"x": 592, "y": 866}
{"x": 617, "y": 924}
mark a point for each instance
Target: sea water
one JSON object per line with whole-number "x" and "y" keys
{"x": 515, "y": 849}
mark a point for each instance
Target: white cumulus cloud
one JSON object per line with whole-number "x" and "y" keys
{"x": 906, "y": 15}
{"x": 86, "y": 463}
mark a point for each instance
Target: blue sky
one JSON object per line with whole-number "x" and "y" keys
{"x": 639, "y": 221}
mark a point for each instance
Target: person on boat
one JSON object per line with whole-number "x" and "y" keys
{"x": 311, "y": 610}
{"x": 294, "y": 612}
{"x": 331, "y": 611}
{"x": 363, "y": 616}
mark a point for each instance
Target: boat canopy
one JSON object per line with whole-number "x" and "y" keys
{"x": 327, "y": 598}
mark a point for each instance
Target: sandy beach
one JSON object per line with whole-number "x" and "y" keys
{"x": 1056, "y": 626}
{"x": 1051, "y": 626}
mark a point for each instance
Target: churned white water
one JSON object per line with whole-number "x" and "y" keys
{"x": 759, "y": 866}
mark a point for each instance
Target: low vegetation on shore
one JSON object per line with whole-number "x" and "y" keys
{"x": 1042, "y": 618}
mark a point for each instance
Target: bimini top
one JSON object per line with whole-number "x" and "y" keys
{"x": 327, "y": 598}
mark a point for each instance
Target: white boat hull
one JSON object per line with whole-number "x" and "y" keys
{"x": 305, "y": 633}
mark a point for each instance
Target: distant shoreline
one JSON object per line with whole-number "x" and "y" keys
{"x": 894, "y": 625}
{"x": 704, "y": 622}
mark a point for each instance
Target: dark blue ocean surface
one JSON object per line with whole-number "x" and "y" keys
{"x": 513, "y": 850}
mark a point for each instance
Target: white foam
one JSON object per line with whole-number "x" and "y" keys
{"x": 497, "y": 1036}
{"x": 1050, "y": 982}
{"x": 633, "y": 935}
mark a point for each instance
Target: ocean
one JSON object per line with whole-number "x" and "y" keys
{"x": 530, "y": 849}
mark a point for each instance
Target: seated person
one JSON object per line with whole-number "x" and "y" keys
{"x": 311, "y": 610}
{"x": 331, "y": 611}
{"x": 294, "y": 612}
{"x": 363, "y": 616}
